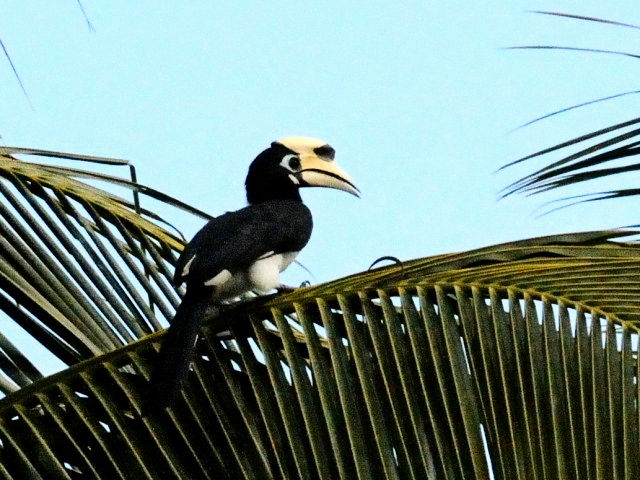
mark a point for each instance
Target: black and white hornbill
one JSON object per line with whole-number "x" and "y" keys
{"x": 246, "y": 249}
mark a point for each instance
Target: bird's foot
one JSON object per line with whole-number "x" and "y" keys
{"x": 288, "y": 289}
{"x": 285, "y": 289}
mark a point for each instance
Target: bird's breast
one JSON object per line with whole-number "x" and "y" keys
{"x": 264, "y": 273}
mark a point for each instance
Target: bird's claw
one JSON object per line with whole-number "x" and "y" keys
{"x": 285, "y": 289}
{"x": 288, "y": 289}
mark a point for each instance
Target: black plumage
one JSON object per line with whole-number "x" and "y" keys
{"x": 244, "y": 250}
{"x": 234, "y": 241}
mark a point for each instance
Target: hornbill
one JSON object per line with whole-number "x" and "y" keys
{"x": 244, "y": 250}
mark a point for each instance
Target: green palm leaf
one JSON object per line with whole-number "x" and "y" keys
{"x": 82, "y": 271}
{"x": 516, "y": 359}
{"x": 595, "y": 149}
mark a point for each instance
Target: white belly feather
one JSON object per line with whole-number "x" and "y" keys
{"x": 263, "y": 275}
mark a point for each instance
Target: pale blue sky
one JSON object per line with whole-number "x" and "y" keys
{"x": 418, "y": 99}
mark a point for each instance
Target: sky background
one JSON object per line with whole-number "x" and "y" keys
{"x": 419, "y": 100}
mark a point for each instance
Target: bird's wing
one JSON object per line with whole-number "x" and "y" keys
{"x": 233, "y": 241}
{"x": 230, "y": 242}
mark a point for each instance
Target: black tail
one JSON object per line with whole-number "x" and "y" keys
{"x": 175, "y": 354}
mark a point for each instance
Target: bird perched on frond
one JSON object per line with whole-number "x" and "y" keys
{"x": 244, "y": 250}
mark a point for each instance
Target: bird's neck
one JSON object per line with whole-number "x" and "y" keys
{"x": 268, "y": 193}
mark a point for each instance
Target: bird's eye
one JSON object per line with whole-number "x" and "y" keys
{"x": 294, "y": 163}
{"x": 291, "y": 162}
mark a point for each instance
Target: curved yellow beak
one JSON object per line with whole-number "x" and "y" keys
{"x": 317, "y": 167}
{"x": 321, "y": 172}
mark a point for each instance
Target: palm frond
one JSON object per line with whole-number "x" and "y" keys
{"x": 586, "y": 18}
{"x": 610, "y": 144}
{"x": 15, "y": 73}
{"x": 566, "y": 109}
{"x": 574, "y": 49}
{"x": 517, "y": 359}
{"x": 82, "y": 271}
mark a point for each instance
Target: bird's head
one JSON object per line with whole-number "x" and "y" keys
{"x": 294, "y": 162}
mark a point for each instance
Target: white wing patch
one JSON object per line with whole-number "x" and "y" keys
{"x": 187, "y": 266}
{"x": 220, "y": 279}
{"x": 265, "y": 255}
